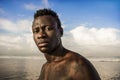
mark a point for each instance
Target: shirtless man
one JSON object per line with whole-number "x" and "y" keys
{"x": 62, "y": 64}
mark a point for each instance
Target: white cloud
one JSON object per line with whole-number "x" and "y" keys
{"x": 46, "y": 3}
{"x": 19, "y": 37}
{"x": 88, "y": 41}
{"x": 17, "y": 27}
{"x": 31, "y": 6}
{"x": 6, "y": 25}
{"x": 93, "y": 42}
{"x": 20, "y": 43}
{"x": 95, "y": 36}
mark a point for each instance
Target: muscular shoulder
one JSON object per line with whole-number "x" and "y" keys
{"x": 81, "y": 68}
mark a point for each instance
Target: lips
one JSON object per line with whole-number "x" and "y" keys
{"x": 42, "y": 43}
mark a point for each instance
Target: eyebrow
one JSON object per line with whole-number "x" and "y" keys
{"x": 34, "y": 24}
{"x": 45, "y": 25}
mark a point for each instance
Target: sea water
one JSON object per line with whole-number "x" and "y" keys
{"x": 28, "y": 68}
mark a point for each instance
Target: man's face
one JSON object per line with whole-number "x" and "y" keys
{"x": 46, "y": 33}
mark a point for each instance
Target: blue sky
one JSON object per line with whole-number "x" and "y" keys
{"x": 99, "y": 13}
{"x": 90, "y": 22}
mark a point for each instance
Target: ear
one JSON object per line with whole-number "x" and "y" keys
{"x": 61, "y": 31}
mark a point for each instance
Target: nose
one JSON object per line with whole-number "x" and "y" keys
{"x": 41, "y": 34}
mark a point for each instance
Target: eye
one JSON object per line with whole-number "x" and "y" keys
{"x": 48, "y": 28}
{"x": 36, "y": 30}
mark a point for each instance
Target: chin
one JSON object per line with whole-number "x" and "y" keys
{"x": 44, "y": 50}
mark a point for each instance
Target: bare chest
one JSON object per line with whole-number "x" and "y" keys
{"x": 55, "y": 72}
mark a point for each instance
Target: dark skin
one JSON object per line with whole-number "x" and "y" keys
{"x": 62, "y": 64}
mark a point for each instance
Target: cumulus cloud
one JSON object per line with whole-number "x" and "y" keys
{"x": 96, "y": 36}
{"x": 31, "y": 6}
{"x": 19, "y": 36}
{"x": 16, "y": 41}
{"x": 93, "y": 41}
{"x": 88, "y": 41}
{"x": 17, "y": 44}
{"x": 18, "y": 26}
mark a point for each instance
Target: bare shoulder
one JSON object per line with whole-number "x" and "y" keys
{"x": 81, "y": 69}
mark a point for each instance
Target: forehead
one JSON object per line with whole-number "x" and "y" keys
{"x": 46, "y": 19}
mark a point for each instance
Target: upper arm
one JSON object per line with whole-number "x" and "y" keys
{"x": 83, "y": 71}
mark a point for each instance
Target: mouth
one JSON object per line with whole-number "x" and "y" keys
{"x": 43, "y": 44}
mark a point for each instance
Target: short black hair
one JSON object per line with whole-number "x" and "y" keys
{"x": 47, "y": 11}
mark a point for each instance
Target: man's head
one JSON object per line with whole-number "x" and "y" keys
{"x": 47, "y": 30}
{"x": 42, "y": 12}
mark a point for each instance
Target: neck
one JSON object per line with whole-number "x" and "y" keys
{"x": 56, "y": 54}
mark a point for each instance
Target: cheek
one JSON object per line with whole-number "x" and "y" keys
{"x": 52, "y": 35}
{"x": 54, "y": 39}
{"x": 34, "y": 38}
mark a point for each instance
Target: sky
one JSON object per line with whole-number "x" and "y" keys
{"x": 91, "y": 27}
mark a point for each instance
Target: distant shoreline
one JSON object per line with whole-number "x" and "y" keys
{"x": 36, "y": 57}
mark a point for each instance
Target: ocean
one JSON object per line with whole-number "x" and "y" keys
{"x": 28, "y": 68}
